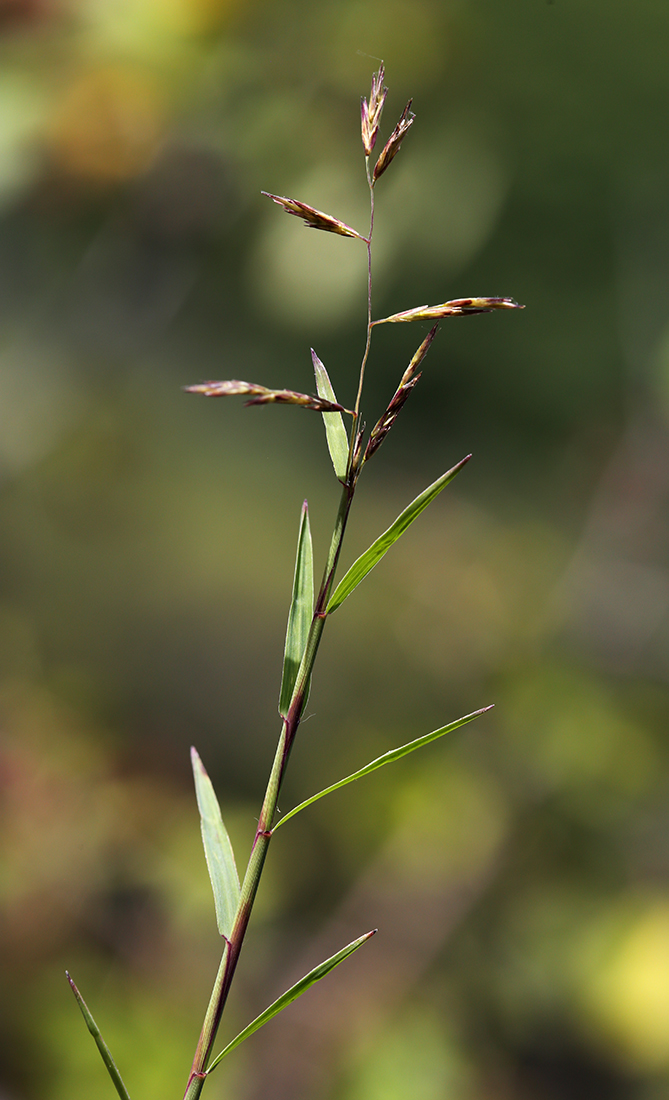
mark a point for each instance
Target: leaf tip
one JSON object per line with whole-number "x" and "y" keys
{"x": 73, "y": 986}
{"x": 463, "y": 462}
{"x": 77, "y": 996}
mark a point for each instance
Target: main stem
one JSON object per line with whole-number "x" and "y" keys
{"x": 370, "y": 183}
{"x": 263, "y": 835}
{"x": 291, "y": 722}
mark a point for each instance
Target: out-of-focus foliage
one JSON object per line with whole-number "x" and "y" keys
{"x": 519, "y": 872}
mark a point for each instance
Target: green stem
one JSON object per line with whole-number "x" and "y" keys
{"x": 263, "y": 835}
{"x": 356, "y": 411}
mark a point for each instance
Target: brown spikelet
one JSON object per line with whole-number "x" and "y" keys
{"x": 314, "y": 219}
{"x": 261, "y": 395}
{"x": 392, "y": 146}
{"x": 456, "y": 308}
{"x": 407, "y": 382}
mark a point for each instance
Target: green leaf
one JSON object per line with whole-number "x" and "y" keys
{"x": 292, "y": 994}
{"x": 369, "y": 559}
{"x": 334, "y": 423}
{"x": 300, "y": 614}
{"x": 105, "y": 1052}
{"x": 217, "y": 849}
{"x": 387, "y": 758}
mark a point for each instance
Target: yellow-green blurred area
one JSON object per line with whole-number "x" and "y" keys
{"x": 518, "y": 871}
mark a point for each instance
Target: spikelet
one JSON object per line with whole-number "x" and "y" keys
{"x": 456, "y": 308}
{"x": 314, "y": 219}
{"x": 392, "y": 146}
{"x": 261, "y": 395}
{"x": 371, "y": 112}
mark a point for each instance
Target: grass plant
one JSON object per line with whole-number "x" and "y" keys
{"x": 350, "y": 449}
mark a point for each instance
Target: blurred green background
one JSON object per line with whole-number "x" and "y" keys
{"x": 519, "y": 872}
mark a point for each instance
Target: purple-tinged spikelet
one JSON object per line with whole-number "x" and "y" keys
{"x": 371, "y": 112}
{"x": 261, "y": 395}
{"x": 314, "y": 219}
{"x": 392, "y": 146}
{"x": 456, "y": 308}
{"x": 407, "y": 382}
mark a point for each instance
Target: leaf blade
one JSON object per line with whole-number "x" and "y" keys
{"x": 300, "y": 614}
{"x": 372, "y": 556}
{"x": 105, "y": 1053}
{"x": 335, "y": 431}
{"x": 387, "y": 758}
{"x": 292, "y": 994}
{"x": 217, "y": 849}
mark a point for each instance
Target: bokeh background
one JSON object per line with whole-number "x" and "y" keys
{"x": 519, "y": 871}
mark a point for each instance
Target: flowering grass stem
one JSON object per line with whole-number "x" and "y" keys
{"x": 308, "y": 615}
{"x": 325, "y": 602}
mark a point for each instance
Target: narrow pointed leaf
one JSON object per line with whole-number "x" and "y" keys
{"x": 334, "y": 423}
{"x": 300, "y": 614}
{"x": 292, "y": 994}
{"x": 376, "y": 551}
{"x": 217, "y": 849}
{"x": 105, "y": 1052}
{"x": 387, "y": 758}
